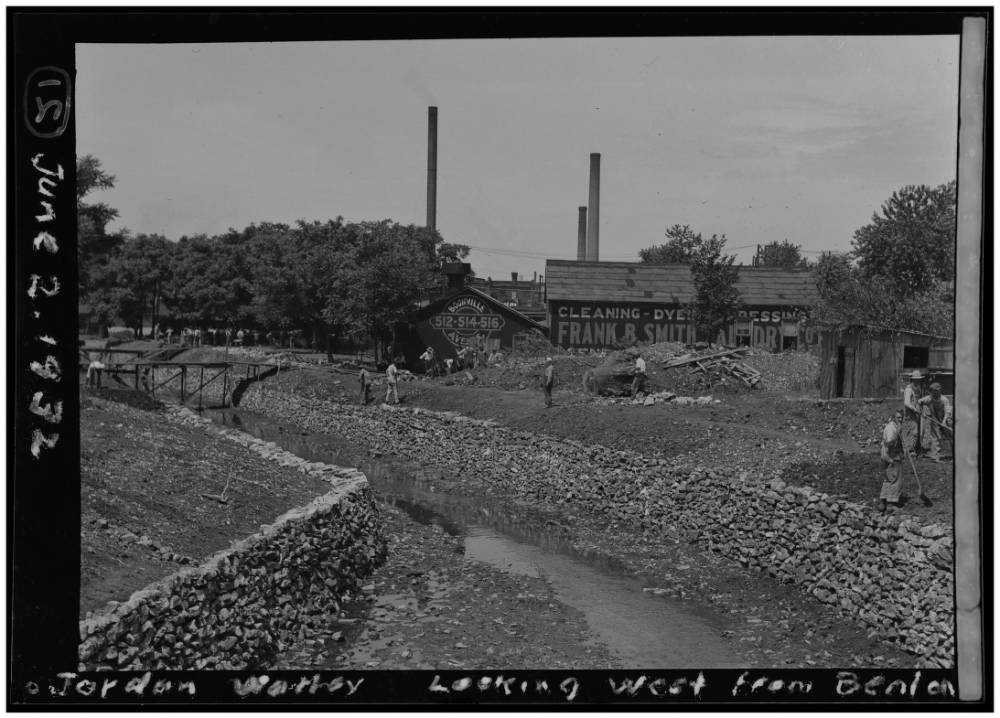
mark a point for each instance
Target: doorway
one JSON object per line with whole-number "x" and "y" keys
{"x": 839, "y": 384}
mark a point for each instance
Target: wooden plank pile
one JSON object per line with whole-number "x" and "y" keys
{"x": 716, "y": 363}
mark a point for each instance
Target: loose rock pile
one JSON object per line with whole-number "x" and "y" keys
{"x": 894, "y": 577}
{"x": 247, "y": 603}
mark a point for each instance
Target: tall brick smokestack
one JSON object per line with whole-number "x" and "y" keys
{"x": 581, "y": 236}
{"x": 432, "y": 166}
{"x": 594, "y": 211}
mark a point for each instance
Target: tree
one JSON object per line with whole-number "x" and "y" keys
{"x": 680, "y": 248}
{"x": 95, "y": 246}
{"x": 899, "y": 275}
{"x": 716, "y": 300}
{"x": 911, "y": 243}
{"x": 138, "y": 273}
{"x": 848, "y": 296}
{"x": 211, "y": 280}
{"x": 782, "y": 254}
{"x": 385, "y": 269}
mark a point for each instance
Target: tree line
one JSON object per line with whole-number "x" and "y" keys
{"x": 330, "y": 280}
{"x": 899, "y": 274}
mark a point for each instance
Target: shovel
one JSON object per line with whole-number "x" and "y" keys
{"x": 923, "y": 497}
{"x": 943, "y": 426}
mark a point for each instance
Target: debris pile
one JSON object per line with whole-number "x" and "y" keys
{"x": 714, "y": 363}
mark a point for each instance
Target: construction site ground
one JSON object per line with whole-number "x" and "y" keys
{"x": 144, "y": 517}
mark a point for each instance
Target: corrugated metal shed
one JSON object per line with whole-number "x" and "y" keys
{"x": 567, "y": 280}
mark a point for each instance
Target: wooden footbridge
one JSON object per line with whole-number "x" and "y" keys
{"x": 221, "y": 383}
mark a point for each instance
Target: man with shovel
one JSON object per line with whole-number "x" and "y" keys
{"x": 913, "y": 405}
{"x": 892, "y": 457}
{"x": 936, "y": 428}
{"x": 893, "y": 452}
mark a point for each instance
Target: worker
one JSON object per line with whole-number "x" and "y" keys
{"x": 936, "y": 423}
{"x": 428, "y": 359}
{"x": 548, "y": 381}
{"x": 892, "y": 457}
{"x": 94, "y": 369}
{"x": 639, "y": 380}
{"x": 913, "y": 392}
{"x": 365, "y": 380}
{"x": 391, "y": 377}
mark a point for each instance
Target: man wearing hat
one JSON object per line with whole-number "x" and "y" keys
{"x": 936, "y": 420}
{"x": 429, "y": 364}
{"x": 913, "y": 394}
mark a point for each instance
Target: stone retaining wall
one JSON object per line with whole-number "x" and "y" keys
{"x": 892, "y": 576}
{"x": 245, "y": 604}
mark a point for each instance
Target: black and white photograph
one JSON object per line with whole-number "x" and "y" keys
{"x": 637, "y": 365}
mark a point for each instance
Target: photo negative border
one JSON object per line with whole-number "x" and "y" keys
{"x": 43, "y": 501}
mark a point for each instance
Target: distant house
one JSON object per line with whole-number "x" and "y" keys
{"x": 862, "y": 361}
{"x": 464, "y": 317}
{"x": 607, "y": 304}
{"x": 525, "y": 295}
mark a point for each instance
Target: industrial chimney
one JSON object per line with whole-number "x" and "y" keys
{"x": 594, "y": 213}
{"x": 581, "y": 236}
{"x": 432, "y": 166}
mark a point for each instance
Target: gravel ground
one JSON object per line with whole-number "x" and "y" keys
{"x": 143, "y": 515}
{"x": 428, "y": 607}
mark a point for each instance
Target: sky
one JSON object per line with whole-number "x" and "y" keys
{"x": 759, "y": 138}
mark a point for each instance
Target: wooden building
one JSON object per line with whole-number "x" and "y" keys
{"x": 607, "y": 304}
{"x": 862, "y": 361}
{"x": 464, "y": 318}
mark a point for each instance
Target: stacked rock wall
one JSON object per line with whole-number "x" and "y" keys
{"x": 240, "y": 608}
{"x": 893, "y": 576}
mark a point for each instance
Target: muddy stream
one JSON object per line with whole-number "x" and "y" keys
{"x": 637, "y": 627}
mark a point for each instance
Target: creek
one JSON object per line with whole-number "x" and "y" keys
{"x": 644, "y": 630}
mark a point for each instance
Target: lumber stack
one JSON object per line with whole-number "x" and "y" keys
{"x": 718, "y": 362}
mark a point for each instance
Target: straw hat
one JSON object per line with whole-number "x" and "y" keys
{"x": 916, "y": 374}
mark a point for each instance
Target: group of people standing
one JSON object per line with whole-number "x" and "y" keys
{"x": 467, "y": 357}
{"x": 392, "y": 374}
{"x": 923, "y": 428}
{"x": 228, "y": 336}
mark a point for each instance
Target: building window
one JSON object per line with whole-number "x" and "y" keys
{"x": 742, "y": 332}
{"x": 915, "y": 357}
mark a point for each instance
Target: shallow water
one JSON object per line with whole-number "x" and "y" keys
{"x": 643, "y": 629}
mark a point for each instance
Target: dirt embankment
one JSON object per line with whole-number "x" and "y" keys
{"x": 831, "y": 446}
{"x": 143, "y": 513}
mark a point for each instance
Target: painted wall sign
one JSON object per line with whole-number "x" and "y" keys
{"x": 467, "y": 321}
{"x": 595, "y": 325}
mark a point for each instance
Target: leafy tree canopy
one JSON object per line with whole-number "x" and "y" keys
{"x": 849, "y": 296}
{"x": 782, "y": 254}
{"x": 911, "y": 241}
{"x": 717, "y": 300}
{"x": 680, "y": 247}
